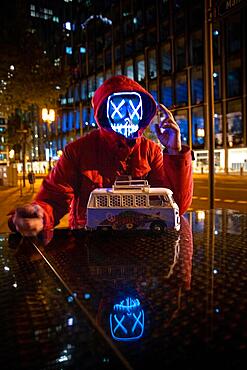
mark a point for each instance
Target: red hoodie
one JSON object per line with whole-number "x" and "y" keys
{"x": 97, "y": 158}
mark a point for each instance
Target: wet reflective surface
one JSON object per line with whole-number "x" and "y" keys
{"x": 127, "y": 300}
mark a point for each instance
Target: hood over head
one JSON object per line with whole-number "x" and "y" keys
{"x": 118, "y": 84}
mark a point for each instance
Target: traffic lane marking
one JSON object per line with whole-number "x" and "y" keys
{"x": 222, "y": 200}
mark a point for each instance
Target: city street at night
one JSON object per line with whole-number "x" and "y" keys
{"x": 230, "y": 190}
{"x": 123, "y": 184}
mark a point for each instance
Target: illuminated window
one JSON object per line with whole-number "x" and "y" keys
{"x": 166, "y": 92}
{"x": 129, "y": 70}
{"x": 198, "y": 129}
{"x": 77, "y": 119}
{"x": 68, "y": 50}
{"x": 181, "y": 90}
{"x": 99, "y": 80}
{"x": 218, "y": 126}
{"x": 181, "y": 117}
{"x": 234, "y": 123}
{"x": 140, "y": 70}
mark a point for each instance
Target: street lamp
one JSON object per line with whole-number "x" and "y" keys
{"x": 48, "y": 116}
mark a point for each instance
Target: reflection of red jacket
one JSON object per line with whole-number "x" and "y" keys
{"x": 97, "y": 158}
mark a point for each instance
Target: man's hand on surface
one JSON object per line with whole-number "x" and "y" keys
{"x": 28, "y": 219}
{"x": 168, "y": 131}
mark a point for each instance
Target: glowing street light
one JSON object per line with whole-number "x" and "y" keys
{"x": 48, "y": 116}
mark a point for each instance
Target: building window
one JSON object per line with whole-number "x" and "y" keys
{"x": 108, "y": 74}
{"x": 153, "y": 91}
{"x": 234, "y": 85}
{"x": 151, "y": 15}
{"x": 91, "y": 87}
{"x": 128, "y": 24}
{"x": 128, "y": 48}
{"x": 117, "y": 54}
{"x": 77, "y": 119}
{"x": 197, "y": 86}
{"x": 164, "y": 31}
{"x": 166, "y": 92}
{"x": 76, "y": 93}
{"x": 198, "y": 129}
{"x": 138, "y": 20}
{"x": 64, "y": 122}
{"x": 181, "y": 117}
{"x": 84, "y": 90}
{"x": 216, "y": 78}
{"x": 218, "y": 128}
{"x": 216, "y": 42}
{"x": 70, "y": 120}
{"x": 233, "y": 34}
{"x": 196, "y": 15}
{"x": 166, "y": 60}
{"x": 181, "y": 90}
{"x": 179, "y": 24}
{"x": 85, "y": 118}
{"x": 129, "y": 70}
{"x": 140, "y": 43}
{"x": 180, "y": 53}
{"x": 140, "y": 70}
{"x": 196, "y": 51}
{"x": 151, "y": 38}
{"x": 108, "y": 39}
{"x": 118, "y": 70}
{"x": 234, "y": 123}
{"x": 152, "y": 64}
{"x": 99, "y": 80}
{"x": 108, "y": 56}
{"x": 99, "y": 61}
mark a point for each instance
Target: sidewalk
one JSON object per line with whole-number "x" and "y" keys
{"x": 10, "y": 198}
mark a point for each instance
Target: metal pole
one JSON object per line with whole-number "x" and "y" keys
{"x": 209, "y": 98}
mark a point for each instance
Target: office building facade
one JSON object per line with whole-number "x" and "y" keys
{"x": 161, "y": 45}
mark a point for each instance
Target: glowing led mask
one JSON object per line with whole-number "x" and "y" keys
{"x": 124, "y": 112}
{"x": 127, "y": 320}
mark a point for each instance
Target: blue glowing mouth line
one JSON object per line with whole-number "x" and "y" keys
{"x": 130, "y": 304}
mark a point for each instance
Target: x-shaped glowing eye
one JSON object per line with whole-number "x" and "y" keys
{"x": 117, "y": 108}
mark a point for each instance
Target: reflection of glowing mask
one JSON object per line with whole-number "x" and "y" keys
{"x": 124, "y": 112}
{"x": 127, "y": 320}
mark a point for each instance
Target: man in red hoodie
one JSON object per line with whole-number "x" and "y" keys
{"x": 122, "y": 109}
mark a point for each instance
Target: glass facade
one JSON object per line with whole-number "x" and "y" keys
{"x": 162, "y": 46}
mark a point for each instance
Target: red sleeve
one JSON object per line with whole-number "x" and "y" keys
{"x": 178, "y": 175}
{"x": 57, "y": 189}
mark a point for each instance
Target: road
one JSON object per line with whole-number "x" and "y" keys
{"x": 230, "y": 192}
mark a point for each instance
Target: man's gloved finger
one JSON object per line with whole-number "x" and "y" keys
{"x": 157, "y": 129}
